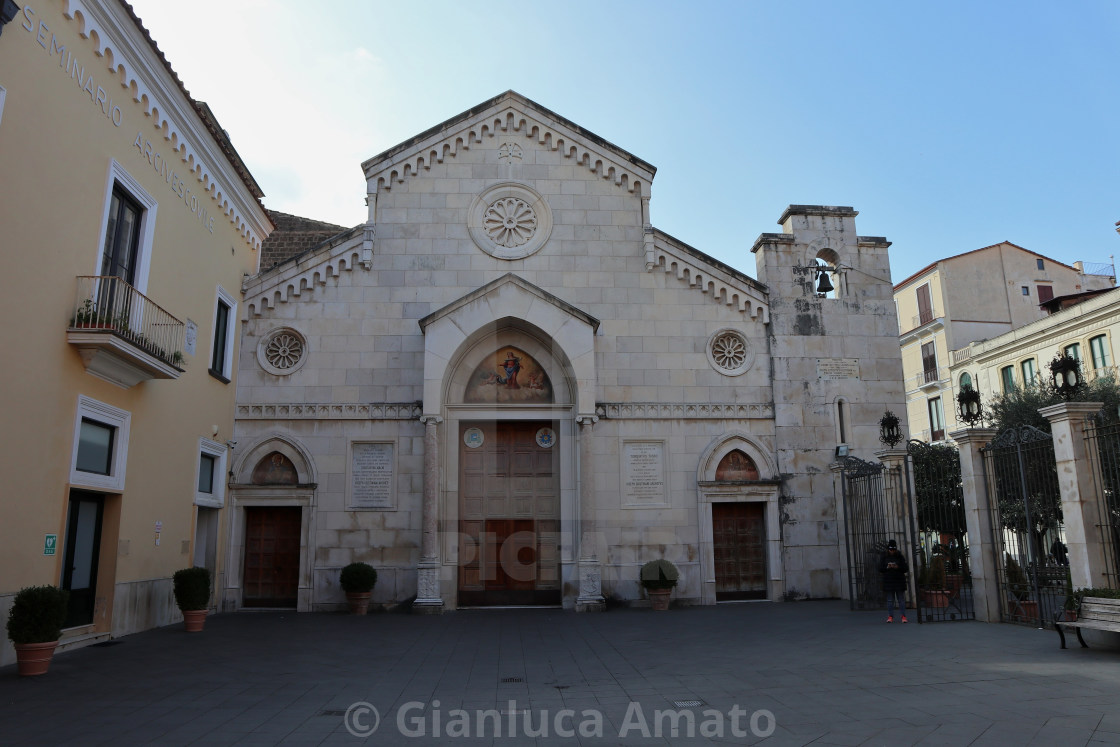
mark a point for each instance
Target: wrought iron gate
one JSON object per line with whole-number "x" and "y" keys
{"x": 944, "y": 579}
{"x": 1026, "y": 512}
{"x": 876, "y": 510}
{"x": 1104, "y": 450}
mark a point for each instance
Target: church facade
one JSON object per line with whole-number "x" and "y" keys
{"x": 508, "y": 388}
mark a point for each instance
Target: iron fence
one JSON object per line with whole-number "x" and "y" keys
{"x": 944, "y": 578}
{"x": 875, "y": 512}
{"x": 1104, "y": 448}
{"x": 1026, "y": 517}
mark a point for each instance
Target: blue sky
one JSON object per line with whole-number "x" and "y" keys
{"x": 949, "y": 126}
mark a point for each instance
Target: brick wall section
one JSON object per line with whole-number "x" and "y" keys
{"x": 293, "y": 235}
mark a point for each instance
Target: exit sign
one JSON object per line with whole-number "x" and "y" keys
{"x": 50, "y": 542}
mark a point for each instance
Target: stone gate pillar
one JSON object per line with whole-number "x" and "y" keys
{"x": 978, "y": 521}
{"x": 1080, "y": 492}
{"x": 428, "y": 599}
{"x": 590, "y": 597}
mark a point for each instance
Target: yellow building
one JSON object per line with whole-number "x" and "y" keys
{"x": 972, "y": 296}
{"x": 128, "y": 222}
{"x": 1085, "y": 326}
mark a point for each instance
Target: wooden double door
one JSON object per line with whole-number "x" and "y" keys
{"x": 739, "y": 537}
{"x": 272, "y": 548}
{"x": 509, "y": 514}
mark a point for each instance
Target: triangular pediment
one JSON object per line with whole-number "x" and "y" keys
{"x": 508, "y": 114}
{"x": 494, "y": 290}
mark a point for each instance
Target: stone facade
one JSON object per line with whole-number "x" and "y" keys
{"x": 509, "y": 279}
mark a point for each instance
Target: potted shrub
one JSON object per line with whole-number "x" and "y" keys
{"x": 192, "y": 594}
{"x": 658, "y": 577}
{"x": 933, "y": 583}
{"x": 35, "y": 625}
{"x": 1020, "y": 588}
{"x": 357, "y": 580}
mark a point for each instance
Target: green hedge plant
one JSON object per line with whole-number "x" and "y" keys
{"x": 37, "y": 614}
{"x": 358, "y": 578}
{"x": 192, "y": 588}
{"x": 659, "y": 574}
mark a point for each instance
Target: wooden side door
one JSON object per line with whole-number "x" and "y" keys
{"x": 272, "y": 545}
{"x": 739, "y": 537}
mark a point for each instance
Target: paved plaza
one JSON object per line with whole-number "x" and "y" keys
{"x": 759, "y": 673}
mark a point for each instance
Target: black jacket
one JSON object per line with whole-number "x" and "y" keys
{"x": 894, "y": 579}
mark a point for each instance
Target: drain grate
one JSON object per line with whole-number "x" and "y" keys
{"x": 512, "y": 679}
{"x": 688, "y": 703}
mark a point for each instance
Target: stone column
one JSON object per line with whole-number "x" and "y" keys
{"x": 590, "y": 597}
{"x": 1080, "y": 492}
{"x": 428, "y": 599}
{"x": 978, "y": 521}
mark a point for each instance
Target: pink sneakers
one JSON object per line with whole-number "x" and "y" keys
{"x": 904, "y": 619}
{"x": 890, "y": 618}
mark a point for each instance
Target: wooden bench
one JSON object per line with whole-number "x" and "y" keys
{"x": 1097, "y": 613}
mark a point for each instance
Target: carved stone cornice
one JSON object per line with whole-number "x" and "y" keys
{"x": 331, "y": 411}
{"x": 722, "y": 283}
{"x": 689, "y": 410}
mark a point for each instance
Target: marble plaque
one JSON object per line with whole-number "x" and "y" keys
{"x": 371, "y": 476}
{"x": 838, "y": 369}
{"x": 643, "y": 473}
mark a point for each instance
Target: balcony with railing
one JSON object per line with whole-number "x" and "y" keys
{"x": 123, "y": 336}
{"x": 927, "y": 379}
{"x": 922, "y": 324}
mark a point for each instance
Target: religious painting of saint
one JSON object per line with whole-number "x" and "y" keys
{"x": 510, "y": 375}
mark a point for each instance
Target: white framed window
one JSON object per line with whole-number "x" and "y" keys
{"x": 1028, "y": 372}
{"x": 1098, "y": 347}
{"x": 1073, "y": 351}
{"x": 210, "y": 488}
{"x": 221, "y": 343}
{"x": 936, "y": 420}
{"x": 100, "y": 452}
{"x": 120, "y": 181}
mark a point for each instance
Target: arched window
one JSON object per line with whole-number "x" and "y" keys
{"x": 966, "y": 380}
{"x": 275, "y": 469}
{"x": 736, "y": 466}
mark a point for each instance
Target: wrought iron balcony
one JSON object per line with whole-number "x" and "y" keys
{"x": 122, "y": 335}
{"x": 927, "y": 379}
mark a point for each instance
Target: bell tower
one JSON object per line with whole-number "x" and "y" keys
{"x": 837, "y": 366}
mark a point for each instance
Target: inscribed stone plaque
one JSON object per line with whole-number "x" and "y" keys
{"x": 643, "y": 473}
{"x": 371, "y": 476}
{"x": 837, "y": 369}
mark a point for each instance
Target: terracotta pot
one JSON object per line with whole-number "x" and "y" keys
{"x": 33, "y": 659}
{"x": 659, "y": 598}
{"x": 359, "y": 601}
{"x": 935, "y": 599}
{"x": 193, "y": 620}
{"x": 1029, "y": 609}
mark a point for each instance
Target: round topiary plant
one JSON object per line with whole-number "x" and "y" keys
{"x": 192, "y": 588}
{"x": 358, "y": 578}
{"x": 37, "y": 614}
{"x": 659, "y": 574}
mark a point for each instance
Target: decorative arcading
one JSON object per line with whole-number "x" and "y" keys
{"x": 343, "y": 259}
{"x": 75, "y": 11}
{"x": 723, "y": 292}
{"x": 677, "y": 410}
{"x": 510, "y": 121}
{"x": 327, "y": 411}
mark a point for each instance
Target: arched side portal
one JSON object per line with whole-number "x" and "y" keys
{"x": 272, "y": 526}
{"x": 740, "y": 533}
{"x": 509, "y": 370}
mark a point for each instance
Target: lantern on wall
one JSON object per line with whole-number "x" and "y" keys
{"x": 1065, "y": 376}
{"x": 969, "y": 408}
{"x": 890, "y": 432}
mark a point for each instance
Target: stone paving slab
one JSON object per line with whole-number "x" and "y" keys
{"x": 809, "y": 673}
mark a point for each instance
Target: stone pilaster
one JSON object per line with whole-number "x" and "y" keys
{"x": 590, "y": 597}
{"x": 428, "y": 599}
{"x": 978, "y": 521}
{"x": 1080, "y": 492}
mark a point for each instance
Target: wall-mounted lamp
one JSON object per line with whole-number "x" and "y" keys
{"x": 968, "y": 406}
{"x": 1065, "y": 376}
{"x": 890, "y": 429}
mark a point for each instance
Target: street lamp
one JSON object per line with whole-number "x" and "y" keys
{"x": 890, "y": 433}
{"x": 968, "y": 405}
{"x": 1065, "y": 375}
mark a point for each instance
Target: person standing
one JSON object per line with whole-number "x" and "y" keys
{"x": 893, "y": 568}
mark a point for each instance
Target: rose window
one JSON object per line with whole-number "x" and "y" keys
{"x": 282, "y": 352}
{"x": 510, "y": 222}
{"x": 729, "y": 352}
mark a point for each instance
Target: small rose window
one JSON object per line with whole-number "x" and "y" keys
{"x": 729, "y": 352}
{"x": 282, "y": 351}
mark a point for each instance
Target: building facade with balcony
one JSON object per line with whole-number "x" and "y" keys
{"x": 977, "y": 295}
{"x": 1084, "y": 326}
{"x": 128, "y": 223}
